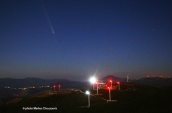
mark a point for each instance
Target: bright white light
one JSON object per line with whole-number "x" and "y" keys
{"x": 92, "y": 80}
{"x": 87, "y": 92}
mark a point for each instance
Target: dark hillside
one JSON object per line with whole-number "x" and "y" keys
{"x": 143, "y": 99}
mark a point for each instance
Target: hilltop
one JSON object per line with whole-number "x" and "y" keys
{"x": 143, "y": 99}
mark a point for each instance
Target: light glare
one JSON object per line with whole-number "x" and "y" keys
{"x": 92, "y": 80}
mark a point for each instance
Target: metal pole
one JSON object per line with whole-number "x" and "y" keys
{"x": 111, "y": 85}
{"x": 109, "y": 95}
{"x": 54, "y": 89}
{"x": 88, "y": 100}
{"x": 97, "y": 88}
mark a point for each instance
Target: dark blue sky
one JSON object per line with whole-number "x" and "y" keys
{"x": 73, "y": 38}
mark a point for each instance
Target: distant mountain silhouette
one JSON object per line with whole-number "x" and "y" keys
{"x": 111, "y": 77}
{"x": 150, "y": 81}
{"x": 155, "y": 81}
{"x": 37, "y": 82}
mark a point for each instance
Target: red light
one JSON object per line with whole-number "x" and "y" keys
{"x": 110, "y": 81}
{"x": 96, "y": 82}
{"x": 59, "y": 85}
{"x": 108, "y": 87}
{"x": 54, "y": 86}
{"x": 118, "y": 82}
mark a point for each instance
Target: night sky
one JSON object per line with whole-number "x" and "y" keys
{"x": 74, "y": 39}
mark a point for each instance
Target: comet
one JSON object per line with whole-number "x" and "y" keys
{"x": 48, "y": 19}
